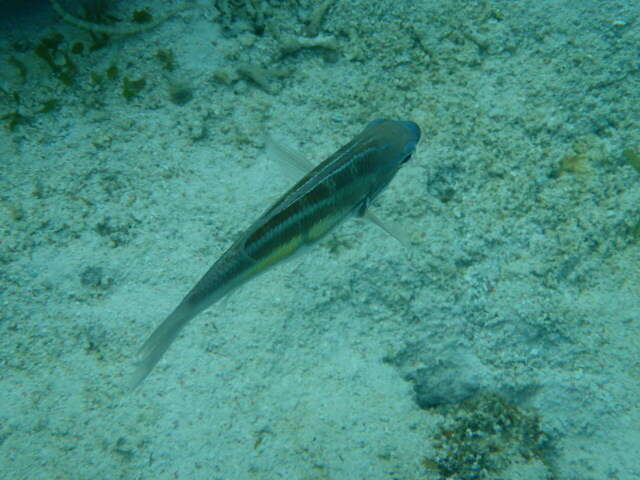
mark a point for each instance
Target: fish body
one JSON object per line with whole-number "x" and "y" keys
{"x": 344, "y": 184}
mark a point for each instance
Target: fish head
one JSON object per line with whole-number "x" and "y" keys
{"x": 392, "y": 142}
{"x": 380, "y": 150}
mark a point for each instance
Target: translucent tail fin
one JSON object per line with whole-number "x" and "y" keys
{"x": 159, "y": 342}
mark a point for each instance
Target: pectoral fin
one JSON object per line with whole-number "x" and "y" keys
{"x": 393, "y": 230}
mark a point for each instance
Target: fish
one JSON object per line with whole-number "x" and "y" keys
{"x": 343, "y": 185}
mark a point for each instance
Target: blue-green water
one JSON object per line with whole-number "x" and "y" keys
{"x": 503, "y": 344}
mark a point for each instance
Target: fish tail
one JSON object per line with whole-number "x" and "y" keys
{"x": 159, "y": 342}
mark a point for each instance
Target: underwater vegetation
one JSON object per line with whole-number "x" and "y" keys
{"x": 15, "y": 118}
{"x": 71, "y": 59}
{"x": 485, "y": 436}
{"x": 22, "y": 69}
{"x": 180, "y": 93}
{"x": 93, "y": 21}
{"x": 48, "y": 49}
{"x": 632, "y": 157}
{"x": 167, "y": 58}
{"x": 131, "y": 88}
{"x": 67, "y": 60}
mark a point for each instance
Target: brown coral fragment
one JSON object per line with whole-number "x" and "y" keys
{"x": 290, "y": 45}
{"x": 263, "y": 77}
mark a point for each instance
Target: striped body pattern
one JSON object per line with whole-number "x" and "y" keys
{"x": 344, "y": 184}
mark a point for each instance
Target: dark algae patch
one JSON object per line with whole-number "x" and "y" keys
{"x": 484, "y": 436}
{"x": 632, "y": 157}
{"x": 141, "y": 16}
{"x": 167, "y": 58}
{"x": 131, "y": 88}
{"x": 48, "y": 49}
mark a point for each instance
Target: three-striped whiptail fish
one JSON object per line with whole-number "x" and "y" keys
{"x": 344, "y": 184}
